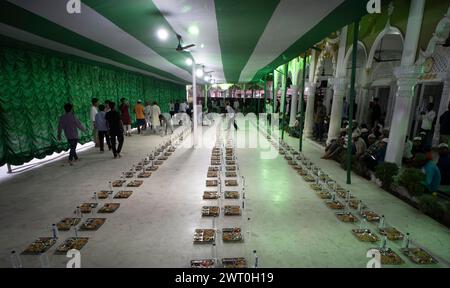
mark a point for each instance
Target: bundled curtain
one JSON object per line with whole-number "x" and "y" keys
{"x": 35, "y": 86}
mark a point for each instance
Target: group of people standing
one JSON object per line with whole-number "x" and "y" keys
{"x": 111, "y": 124}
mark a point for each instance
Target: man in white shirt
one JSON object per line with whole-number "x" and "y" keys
{"x": 427, "y": 122}
{"x": 231, "y": 116}
{"x": 94, "y": 112}
{"x": 236, "y": 105}
{"x": 183, "y": 107}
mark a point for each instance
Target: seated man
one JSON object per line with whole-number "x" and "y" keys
{"x": 444, "y": 163}
{"x": 431, "y": 171}
{"x": 417, "y": 146}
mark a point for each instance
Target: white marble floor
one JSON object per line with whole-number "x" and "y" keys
{"x": 290, "y": 226}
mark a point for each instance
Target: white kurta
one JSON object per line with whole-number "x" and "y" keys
{"x": 156, "y": 111}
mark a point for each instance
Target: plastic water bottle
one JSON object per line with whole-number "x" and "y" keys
{"x": 54, "y": 231}
{"x": 360, "y": 207}
{"x": 78, "y": 212}
{"x": 381, "y": 224}
{"x": 95, "y": 197}
{"x": 256, "y": 259}
{"x": 406, "y": 241}
{"x": 43, "y": 259}
{"x": 15, "y": 260}
{"x": 75, "y": 231}
{"x": 383, "y": 243}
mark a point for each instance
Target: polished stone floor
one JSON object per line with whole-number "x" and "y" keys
{"x": 289, "y": 225}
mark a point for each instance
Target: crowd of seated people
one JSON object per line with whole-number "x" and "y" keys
{"x": 369, "y": 150}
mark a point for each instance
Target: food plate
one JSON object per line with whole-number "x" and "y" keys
{"x": 391, "y": 233}
{"x": 212, "y": 183}
{"x": 145, "y": 162}
{"x": 335, "y": 205}
{"x": 215, "y": 162}
{"x": 139, "y": 168}
{"x": 163, "y": 158}
{"x": 355, "y": 203}
{"x": 231, "y": 162}
{"x": 128, "y": 174}
{"x": 230, "y": 174}
{"x": 109, "y": 208}
{"x": 215, "y": 158}
{"x": 159, "y": 162}
{"x": 324, "y": 195}
{"x": 167, "y": 154}
{"x": 347, "y": 217}
{"x": 92, "y": 224}
{"x": 210, "y": 195}
{"x": 389, "y": 257}
{"x": 365, "y": 235}
{"x": 232, "y": 210}
{"x": 152, "y": 168}
{"x": 135, "y": 183}
{"x": 205, "y": 263}
{"x": 123, "y": 194}
{"x": 302, "y": 172}
{"x": 212, "y": 174}
{"x": 204, "y": 236}
{"x": 232, "y": 195}
{"x": 41, "y": 245}
{"x": 72, "y": 243}
{"x": 316, "y": 187}
{"x": 118, "y": 183}
{"x": 229, "y": 158}
{"x": 103, "y": 194}
{"x": 67, "y": 223}
{"x": 232, "y": 235}
{"x": 213, "y": 168}
{"x": 371, "y": 216}
{"x": 231, "y": 183}
{"x": 418, "y": 256}
{"x": 309, "y": 178}
{"x": 234, "y": 262}
{"x": 144, "y": 174}
{"x": 344, "y": 194}
{"x": 210, "y": 211}
{"x": 230, "y": 168}
{"x": 288, "y": 158}
{"x": 87, "y": 207}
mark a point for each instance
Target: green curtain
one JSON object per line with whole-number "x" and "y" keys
{"x": 35, "y": 86}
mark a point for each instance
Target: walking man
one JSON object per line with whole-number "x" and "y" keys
{"x": 125, "y": 115}
{"x": 115, "y": 129}
{"x": 427, "y": 123}
{"x": 231, "y": 116}
{"x": 140, "y": 116}
{"x": 70, "y": 124}
{"x": 102, "y": 127}
{"x": 94, "y": 128}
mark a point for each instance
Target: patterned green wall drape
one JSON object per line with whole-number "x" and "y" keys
{"x": 35, "y": 86}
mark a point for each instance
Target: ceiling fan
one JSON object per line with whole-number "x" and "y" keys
{"x": 181, "y": 48}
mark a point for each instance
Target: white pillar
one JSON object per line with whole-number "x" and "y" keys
{"x": 294, "y": 105}
{"x": 443, "y": 107}
{"x": 363, "y": 105}
{"x": 310, "y": 92}
{"x": 194, "y": 103}
{"x": 340, "y": 87}
{"x": 406, "y": 75}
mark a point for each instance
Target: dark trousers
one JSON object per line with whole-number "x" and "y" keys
{"x": 113, "y": 143}
{"x": 73, "y": 149}
{"x": 102, "y": 135}
{"x": 318, "y": 131}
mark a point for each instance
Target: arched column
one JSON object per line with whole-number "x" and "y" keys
{"x": 406, "y": 75}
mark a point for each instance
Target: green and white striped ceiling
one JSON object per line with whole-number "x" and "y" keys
{"x": 240, "y": 40}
